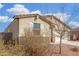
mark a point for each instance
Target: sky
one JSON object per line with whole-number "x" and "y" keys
{"x": 66, "y": 12}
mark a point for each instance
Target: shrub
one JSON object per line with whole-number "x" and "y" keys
{"x": 35, "y": 45}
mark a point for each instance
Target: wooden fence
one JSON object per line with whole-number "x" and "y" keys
{"x": 6, "y": 37}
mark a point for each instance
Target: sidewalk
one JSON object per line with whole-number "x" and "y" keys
{"x": 74, "y": 43}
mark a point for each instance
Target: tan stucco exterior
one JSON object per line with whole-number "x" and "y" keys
{"x": 23, "y": 24}
{"x": 27, "y": 24}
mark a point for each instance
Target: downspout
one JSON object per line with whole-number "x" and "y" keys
{"x": 51, "y": 25}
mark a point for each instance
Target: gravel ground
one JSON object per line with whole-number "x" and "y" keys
{"x": 67, "y": 50}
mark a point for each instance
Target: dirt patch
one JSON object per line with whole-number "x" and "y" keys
{"x": 67, "y": 50}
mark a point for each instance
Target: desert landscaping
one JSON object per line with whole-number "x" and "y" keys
{"x": 42, "y": 50}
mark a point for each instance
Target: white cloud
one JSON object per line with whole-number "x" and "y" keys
{"x": 36, "y": 12}
{"x": 18, "y": 9}
{"x": 1, "y": 5}
{"x": 21, "y": 9}
{"x": 10, "y": 19}
{"x": 62, "y": 16}
{"x": 74, "y": 24}
{"x": 5, "y": 19}
{"x": 65, "y": 17}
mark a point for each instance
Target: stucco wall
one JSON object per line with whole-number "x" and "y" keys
{"x": 26, "y": 24}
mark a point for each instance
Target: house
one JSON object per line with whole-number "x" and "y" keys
{"x": 37, "y": 26}
{"x": 74, "y": 34}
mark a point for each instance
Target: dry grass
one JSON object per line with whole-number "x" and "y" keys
{"x": 3, "y": 50}
{"x": 32, "y": 48}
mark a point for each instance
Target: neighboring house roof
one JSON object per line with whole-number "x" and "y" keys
{"x": 76, "y": 29}
{"x": 41, "y": 17}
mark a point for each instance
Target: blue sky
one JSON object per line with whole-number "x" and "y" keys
{"x": 69, "y": 10}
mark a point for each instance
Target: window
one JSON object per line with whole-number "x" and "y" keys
{"x": 36, "y": 29}
{"x": 36, "y": 26}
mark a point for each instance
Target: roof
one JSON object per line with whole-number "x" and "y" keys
{"x": 25, "y": 15}
{"x": 29, "y": 15}
{"x": 41, "y": 17}
{"x": 33, "y": 15}
{"x": 50, "y": 16}
{"x": 76, "y": 29}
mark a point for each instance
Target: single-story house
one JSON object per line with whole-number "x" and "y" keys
{"x": 36, "y": 25}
